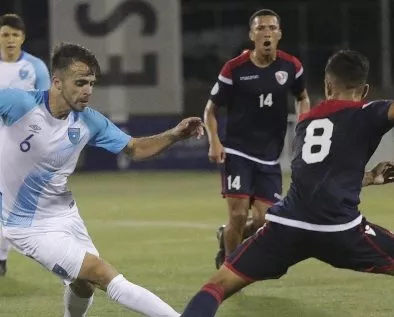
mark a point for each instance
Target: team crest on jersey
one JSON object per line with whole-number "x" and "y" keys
{"x": 281, "y": 77}
{"x": 23, "y": 73}
{"x": 74, "y": 135}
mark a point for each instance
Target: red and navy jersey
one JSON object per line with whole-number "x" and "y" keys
{"x": 334, "y": 142}
{"x": 256, "y": 100}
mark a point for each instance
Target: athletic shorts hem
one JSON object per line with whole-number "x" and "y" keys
{"x": 236, "y": 272}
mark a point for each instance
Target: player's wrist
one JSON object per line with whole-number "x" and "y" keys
{"x": 214, "y": 140}
{"x": 175, "y": 135}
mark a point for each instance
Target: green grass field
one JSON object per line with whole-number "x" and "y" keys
{"x": 158, "y": 229}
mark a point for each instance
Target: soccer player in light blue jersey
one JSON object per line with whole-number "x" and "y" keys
{"x": 44, "y": 133}
{"x": 18, "y": 69}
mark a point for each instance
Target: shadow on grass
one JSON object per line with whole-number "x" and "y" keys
{"x": 242, "y": 305}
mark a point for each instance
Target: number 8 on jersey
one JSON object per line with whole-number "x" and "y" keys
{"x": 317, "y": 141}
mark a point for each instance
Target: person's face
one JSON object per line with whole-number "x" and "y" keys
{"x": 265, "y": 32}
{"x": 11, "y": 39}
{"x": 76, "y": 85}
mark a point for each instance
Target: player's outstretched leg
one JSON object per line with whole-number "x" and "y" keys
{"x": 368, "y": 248}
{"x": 4, "y": 249}
{"x": 118, "y": 288}
{"x": 222, "y": 285}
{"x": 78, "y": 297}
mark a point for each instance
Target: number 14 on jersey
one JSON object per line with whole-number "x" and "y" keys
{"x": 266, "y": 100}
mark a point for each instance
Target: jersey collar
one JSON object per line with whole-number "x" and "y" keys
{"x": 46, "y": 101}
{"x": 327, "y": 107}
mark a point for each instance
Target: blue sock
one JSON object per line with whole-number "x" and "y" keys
{"x": 206, "y": 302}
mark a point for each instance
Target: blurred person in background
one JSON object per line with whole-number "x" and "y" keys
{"x": 18, "y": 69}
{"x": 253, "y": 88}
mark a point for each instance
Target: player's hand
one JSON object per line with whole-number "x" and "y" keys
{"x": 189, "y": 127}
{"x": 216, "y": 152}
{"x": 382, "y": 173}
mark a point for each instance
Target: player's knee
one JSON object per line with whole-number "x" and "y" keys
{"x": 238, "y": 211}
{"x": 238, "y": 218}
{"x": 83, "y": 289}
{"x": 96, "y": 271}
{"x": 229, "y": 282}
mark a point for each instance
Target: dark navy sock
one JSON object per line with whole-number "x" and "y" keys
{"x": 206, "y": 302}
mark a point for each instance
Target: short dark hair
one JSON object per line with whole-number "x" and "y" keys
{"x": 263, "y": 12}
{"x": 12, "y": 20}
{"x": 350, "y": 68}
{"x": 66, "y": 54}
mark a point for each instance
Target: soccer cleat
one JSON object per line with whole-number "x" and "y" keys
{"x": 3, "y": 267}
{"x": 219, "y": 259}
{"x": 220, "y": 236}
{"x": 220, "y": 256}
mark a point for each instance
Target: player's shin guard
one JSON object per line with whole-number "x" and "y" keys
{"x": 75, "y": 306}
{"x": 206, "y": 302}
{"x": 138, "y": 298}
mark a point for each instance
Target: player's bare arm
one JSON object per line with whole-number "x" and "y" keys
{"x": 382, "y": 173}
{"x": 216, "y": 151}
{"x": 302, "y": 103}
{"x": 145, "y": 147}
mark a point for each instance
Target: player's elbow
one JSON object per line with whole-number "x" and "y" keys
{"x": 132, "y": 151}
{"x": 135, "y": 155}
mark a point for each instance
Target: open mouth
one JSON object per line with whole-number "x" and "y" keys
{"x": 267, "y": 44}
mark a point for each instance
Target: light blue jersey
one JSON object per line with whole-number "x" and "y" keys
{"x": 39, "y": 152}
{"x": 27, "y": 73}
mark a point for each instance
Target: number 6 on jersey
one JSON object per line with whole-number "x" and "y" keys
{"x": 321, "y": 143}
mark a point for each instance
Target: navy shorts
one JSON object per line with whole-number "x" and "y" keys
{"x": 275, "y": 247}
{"x": 244, "y": 178}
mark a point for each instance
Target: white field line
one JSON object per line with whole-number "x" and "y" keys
{"x": 152, "y": 223}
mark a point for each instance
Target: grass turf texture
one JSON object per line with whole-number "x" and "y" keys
{"x": 158, "y": 229}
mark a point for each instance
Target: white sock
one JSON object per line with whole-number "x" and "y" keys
{"x": 75, "y": 306}
{"x": 4, "y": 247}
{"x": 138, "y": 298}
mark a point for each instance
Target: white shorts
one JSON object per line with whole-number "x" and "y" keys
{"x": 59, "y": 245}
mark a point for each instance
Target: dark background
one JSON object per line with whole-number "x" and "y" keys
{"x": 214, "y": 31}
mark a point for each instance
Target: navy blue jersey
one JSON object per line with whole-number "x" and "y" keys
{"x": 333, "y": 143}
{"x": 256, "y": 101}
